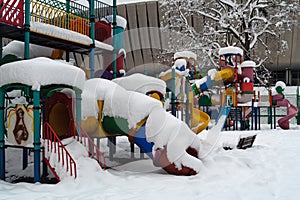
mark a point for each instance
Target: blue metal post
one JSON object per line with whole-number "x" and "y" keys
{"x": 92, "y": 35}
{"x": 274, "y": 117}
{"x": 114, "y": 38}
{"x": 271, "y": 118}
{"x": 2, "y": 143}
{"x": 252, "y": 113}
{"x": 259, "y": 118}
{"x": 36, "y": 137}
{"x": 236, "y": 118}
{"x": 255, "y": 115}
{"x": 27, "y": 29}
{"x": 173, "y": 97}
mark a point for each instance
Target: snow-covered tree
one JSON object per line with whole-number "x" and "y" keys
{"x": 256, "y": 26}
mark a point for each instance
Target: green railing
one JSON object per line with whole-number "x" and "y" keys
{"x": 73, "y": 8}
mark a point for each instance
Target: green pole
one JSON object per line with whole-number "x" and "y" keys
{"x": 68, "y": 12}
{"x": 92, "y": 35}
{"x": 114, "y": 38}
{"x": 36, "y": 139}
{"x": 67, "y": 26}
{"x": 27, "y": 29}
{"x": 173, "y": 97}
{"x": 2, "y": 143}
{"x": 78, "y": 110}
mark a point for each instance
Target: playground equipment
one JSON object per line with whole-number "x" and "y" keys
{"x": 177, "y": 80}
{"x": 232, "y": 85}
{"x": 23, "y": 114}
{"x": 279, "y": 100}
{"x": 69, "y": 26}
{"x": 114, "y": 110}
{"x": 110, "y": 110}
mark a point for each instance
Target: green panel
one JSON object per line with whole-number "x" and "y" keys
{"x": 8, "y": 58}
{"x": 204, "y": 101}
{"x": 115, "y": 125}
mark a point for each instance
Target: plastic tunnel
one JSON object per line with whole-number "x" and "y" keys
{"x": 59, "y": 114}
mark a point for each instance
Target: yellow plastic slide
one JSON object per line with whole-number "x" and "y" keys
{"x": 199, "y": 120}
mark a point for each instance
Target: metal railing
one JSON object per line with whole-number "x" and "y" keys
{"x": 53, "y": 145}
{"x": 12, "y": 12}
{"x": 93, "y": 150}
{"x": 44, "y": 13}
{"x": 102, "y": 10}
{"x": 75, "y": 17}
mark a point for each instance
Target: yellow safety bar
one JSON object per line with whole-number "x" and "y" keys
{"x": 53, "y": 16}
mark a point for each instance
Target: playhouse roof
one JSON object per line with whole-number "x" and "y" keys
{"x": 248, "y": 63}
{"x": 230, "y": 51}
{"x": 121, "y": 21}
{"x": 40, "y": 72}
{"x": 185, "y": 54}
{"x": 141, "y": 83}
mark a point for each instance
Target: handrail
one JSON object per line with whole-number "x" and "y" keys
{"x": 44, "y": 13}
{"x": 54, "y": 145}
{"x": 12, "y": 12}
{"x": 93, "y": 150}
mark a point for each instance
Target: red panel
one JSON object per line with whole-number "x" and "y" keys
{"x": 103, "y": 32}
{"x": 12, "y": 12}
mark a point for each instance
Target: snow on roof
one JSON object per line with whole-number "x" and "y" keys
{"x": 248, "y": 63}
{"x": 141, "y": 83}
{"x": 55, "y": 31}
{"x": 185, "y": 54}
{"x": 179, "y": 63}
{"x": 102, "y": 45}
{"x": 118, "y": 102}
{"x": 230, "y": 50}
{"x": 121, "y": 22}
{"x": 281, "y": 84}
{"x": 41, "y": 71}
{"x": 177, "y": 73}
{"x": 17, "y": 48}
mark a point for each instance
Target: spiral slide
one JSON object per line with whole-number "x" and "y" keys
{"x": 292, "y": 111}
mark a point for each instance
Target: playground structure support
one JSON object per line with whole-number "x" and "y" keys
{"x": 2, "y": 143}
{"x": 92, "y": 35}
{"x": 36, "y": 140}
{"x": 114, "y": 23}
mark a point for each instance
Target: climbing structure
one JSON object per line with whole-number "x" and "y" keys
{"x": 67, "y": 26}
{"x": 25, "y": 101}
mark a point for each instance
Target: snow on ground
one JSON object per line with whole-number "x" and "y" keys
{"x": 268, "y": 170}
